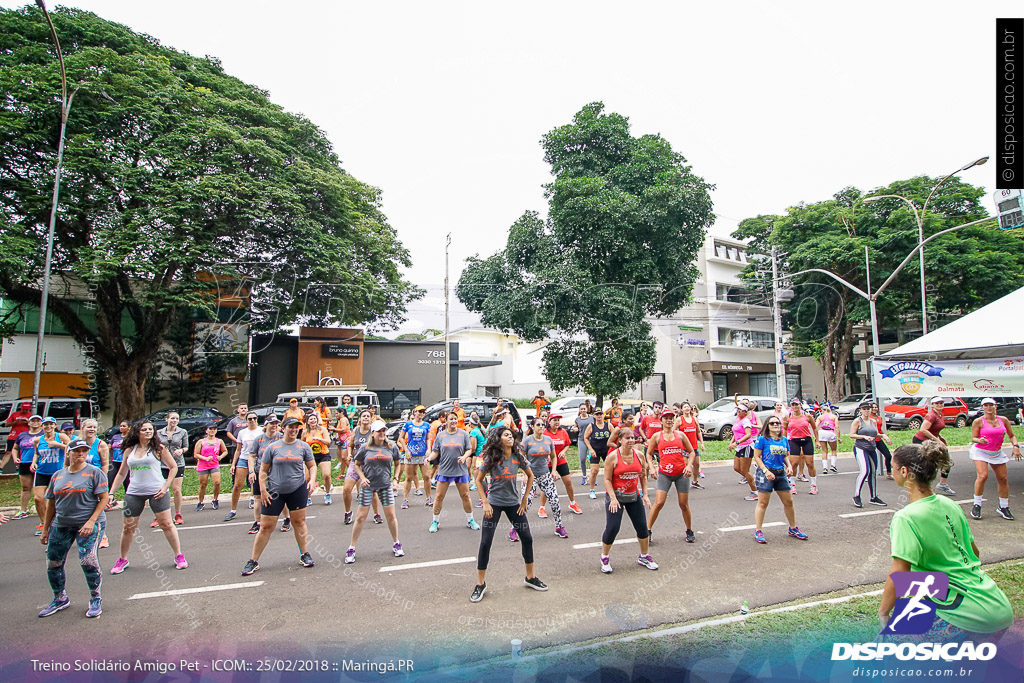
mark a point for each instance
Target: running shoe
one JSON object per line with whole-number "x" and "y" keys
{"x": 95, "y": 608}
{"x": 690, "y": 536}
{"x": 119, "y": 566}
{"x": 646, "y": 561}
{"x": 593, "y": 494}
{"x": 287, "y": 526}
{"x": 976, "y": 512}
{"x": 57, "y": 605}
{"x": 405, "y": 504}
{"x": 180, "y": 562}
{"x": 1005, "y": 513}
{"x": 327, "y": 499}
{"x": 255, "y": 528}
{"x": 877, "y": 501}
{"x": 309, "y": 501}
{"x": 39, "y": 530}
{"x": 154, "y": 525}
{"x": 230, "y": 516}
{"x": 513, "y": 536}
{"x": 536, "y": 584}
{"x": 606, "y": 565}
{"x": 433, "y": 527}
{"x": 21, "y": 515}
{"x": 888, "y": 475}
{"x": 802, "y": 477}
{"x": 348, "y": 518}
{"x": 216, "y": 504}
{"x": 813, "y": 491}
{"x": 793, "y": 490}
{"x": 834, "y": 469}
{"x": 741, "y": 482}
{"x": 473, "y": 525}
{"x": 759, "y": 536}
{"x": 251, "y": 567}
{"x": 857, "y": 503}
{"x": 104, "y": 543}
{"x": 252, "y": 503}
{"x": 702, "y": 475}
{"x": 433, "y": 481}
{"x": 430, "y": 502}
{"x": 797, "y": 534}
{"x": 542, "y": 513}
{"x": 478, "y": 593}
{"x": 110, "y": 506}
{"x": 178, "y": 520}
{"x": 750, "y": 496}
{"x": 350, "y": 555}
{"x": 478, "y": 504}
{"x": 306, "y": 560}
{"x": 583, "y": 481}
{"x": 945, "y": 490}
{"x": 472, "y": 487}
{"x": 697, "y": 485}
{"x": 561, "y": 532}
{"x": 396, "y": 548}
{"x": 200, "y": 506}
{"x": 377, "y": 519}
{"x": 575, "y": 508}
{"x": 419, "y": 492}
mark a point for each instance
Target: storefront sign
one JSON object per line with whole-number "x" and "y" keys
{"x": 339, "y": 351}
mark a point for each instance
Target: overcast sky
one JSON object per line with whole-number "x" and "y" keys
{"x": 442, "y": 104}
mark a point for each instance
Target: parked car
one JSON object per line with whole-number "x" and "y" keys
{"x": 716, "y": 420}
{"x": 193, "y": 420}
{"x": 1006, "y": 406}
{"x": 483, "y": 406}
{"x": 909, "y": 412}
{"x": 62, "y": 408}
{"x": 846, "y": 409}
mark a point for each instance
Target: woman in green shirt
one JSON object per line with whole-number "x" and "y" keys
{"x": 931, "y": 534}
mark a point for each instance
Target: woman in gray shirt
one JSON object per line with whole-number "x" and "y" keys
{"x": 864, "y": 433}
{"x": 583, "y": 420}
{"x": 176, "y": 439}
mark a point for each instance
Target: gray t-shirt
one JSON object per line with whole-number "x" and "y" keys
{"x": 451, "y": 447}
{"x": 287, "y": 465}
{"x": 538, "y": 453}
{"x": 504, "y": 488}
{"x": 376, "y": 461}
{"x": 581, "y": 424}
{"x": 235, "y": 425}
{"x": 258, "y": 446}
{"x": 359, "y": 439}
{"x": 76, "y": 495}
{"x": 177, "y": 439}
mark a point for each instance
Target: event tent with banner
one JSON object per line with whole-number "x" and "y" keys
{"x": 981, "y": 354}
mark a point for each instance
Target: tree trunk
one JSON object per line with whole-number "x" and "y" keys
{"x": 129, "y": 384}
{"x": 838, "y": 350}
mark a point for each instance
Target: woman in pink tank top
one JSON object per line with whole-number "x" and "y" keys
{"x": 987, "y": 434}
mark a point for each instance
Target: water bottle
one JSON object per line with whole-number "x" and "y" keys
{"x": 744, "y": 608}
{"x": 517, "y": 648}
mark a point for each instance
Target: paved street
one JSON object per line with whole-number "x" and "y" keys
{"x": 418, "y": 605}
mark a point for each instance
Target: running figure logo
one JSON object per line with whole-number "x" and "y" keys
{"x": 914, "y": 611}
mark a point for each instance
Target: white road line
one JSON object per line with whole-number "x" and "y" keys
{"x": 869, "y": 512}
{"x": 968, "y": 500}
{"x": 421, "y": 565}
{"x": 584, "y": 546}
{"x": 748, "y": 527}
{"x": 201, "y": 589}
{"x": 222, "y": 524}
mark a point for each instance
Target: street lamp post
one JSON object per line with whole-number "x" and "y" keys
{"x": 919, "y": 217}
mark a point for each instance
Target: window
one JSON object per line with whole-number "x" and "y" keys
{"x": 574, "y": 403}
{"x": 489, "y": 391}
{"x": 730, "y": 252}
{"x": 62, "y": 408}
{"x": 739, "y": 295}
{"x": 746, "y": 338}
{"x": 192, "y": 413}
{"x": 763, "y": 384}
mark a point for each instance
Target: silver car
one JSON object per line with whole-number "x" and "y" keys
{"x": 847, "y": 408}
{"x": 716, "y": 420}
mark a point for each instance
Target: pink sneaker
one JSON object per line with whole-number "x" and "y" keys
{"x": 179, "y": 562}
{"x": 119, "y": 566}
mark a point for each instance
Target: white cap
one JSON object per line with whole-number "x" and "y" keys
{"x": 935, "y": 399}
{"x": 378, "y": 425}
{"x": 988, "y": 402}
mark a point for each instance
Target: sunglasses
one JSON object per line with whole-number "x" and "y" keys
{"x": 252, "y": 418}
{"x": 774, "y": 422}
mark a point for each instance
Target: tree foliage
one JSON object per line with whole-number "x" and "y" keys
{"x": 626, "y": 217}
{"x": 180, "y": 183}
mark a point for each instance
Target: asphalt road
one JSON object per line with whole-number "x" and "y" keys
{"x": 388, "y": 605}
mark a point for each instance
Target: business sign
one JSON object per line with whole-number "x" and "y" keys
{"x": 693, "y": 342}
{"x": 339, "y": 350}
{"x": 964, "y": 378}
{"x": 1010, "y": 208}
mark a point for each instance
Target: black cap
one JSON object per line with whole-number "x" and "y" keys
{"x": 288, "y": 421}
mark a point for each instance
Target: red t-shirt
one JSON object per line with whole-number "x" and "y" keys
{"x": 671, "y": 456}
{"x": 16, "y": 424}
{"x": 561, "y": 441}
{"x": 651, "y": 424}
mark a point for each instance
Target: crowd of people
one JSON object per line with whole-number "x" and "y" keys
{"x": 72, "y": 478}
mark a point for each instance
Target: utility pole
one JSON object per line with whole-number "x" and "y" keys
{"x": 777, "y": 296}
{"x": 447, "y": 343}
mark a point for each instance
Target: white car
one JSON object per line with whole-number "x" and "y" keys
{"x": 567, "y": 407}
{"x": 716, "y": 420}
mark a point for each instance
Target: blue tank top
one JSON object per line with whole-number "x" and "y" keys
{"x": 51, "y": 460}
{"x": 94, "y": 453}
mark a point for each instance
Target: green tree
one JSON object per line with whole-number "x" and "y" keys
{"x": 182, "y": 185}
{"x": 964, "y": 270}
{"x": 626, "y": 217}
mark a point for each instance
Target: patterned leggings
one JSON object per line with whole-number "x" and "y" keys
{"x": 547, "y": 486}
{"x": 57, "y": 548}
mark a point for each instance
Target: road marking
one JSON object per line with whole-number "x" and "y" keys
{"x": 201, "y": 589}
{"x": 584, "y": 546}
{"x": 421, "y": 565}
{"x": 869, "y": 512}
{"x": 222, "y": 524}
{"x": 748, "y": 527}
{"x": 968, "y": 500}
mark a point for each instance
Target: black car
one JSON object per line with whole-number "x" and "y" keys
{"x": 193, "y": 420}
{"x": 1006, "y": 406}
{"x": 483, "y": 406}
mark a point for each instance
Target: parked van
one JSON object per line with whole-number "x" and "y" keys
{"x": 61, "y": 408}
{"x": 361, "y": 398}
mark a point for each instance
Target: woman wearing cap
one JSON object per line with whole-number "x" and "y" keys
{"x": 864, "y": 431}
{"x": 772, "y": 458}
{"x": 451, "y": 450}
{"x": 287, "y": 477}
{"x": 933, "y": 423}
{"x": 690, "y": 427}
{"x": 99, "y": 455}
{"x": 373, "y": 463}
{"x": 625, "y": 480}
{"x": 540, "y": 454}
{"x": 360, "y": 435}
{"x": 24, "y": 452}
{"x": 144, "y": 454}
{"x": 595, "y": 440}
{"x": 319, "y": 440}
{"x": 802, "y": 432}
{"x": 413, "y": 438}
{"x": 208, "y": 452}
{"x": 828, "y": 437}
{"x": 75, "y": 516}
{"x": 502, "y": 461}
{"x": 176, "y": 439}
{"x": 583, "y": 421}
{"x": 47, "y": 460}
{"x": 18, "y": 422}
{"x": 987, "y": 434}
{"x": 294, "y": 410}
{"x": 742, "y": 442}
{"x": 560, "y": 438}
{"x": 667, "y": 447}
{"x": 257, "y": 448}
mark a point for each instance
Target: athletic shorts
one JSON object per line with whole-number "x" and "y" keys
{"x": 562, "y": 469}
{"x": 133, "y": 504}
{"x": 826, "y": 436}
{"x": 351, "y": 473}
{"x": 42, "y": 479}
{"x": 803, "y": 445}
{"x": 256, "y": 486}
{"x": 665, "y": 482}
{"x": 321, "y": 457}
{"x": 990, "y": 457}
{"x": 180, "y": 475}
{"x": 386, "y": 496}
{"x": 24, "y": 469}
{"x": 242, "y": 464}
{"x": 596, "y": 458}
{"x": 461, "y": 479}
{"x": 415, "y": 459}
{"x": 781, "y": 482}
{"x": 745, "y": 452}
{"x": 295, "y": 500}
{"x": 203, "y": 470}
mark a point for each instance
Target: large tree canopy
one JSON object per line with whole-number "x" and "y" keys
{"x": 963, "y": 270}
{"x": 179, "y": 182}
{"x": 626, "y": 218}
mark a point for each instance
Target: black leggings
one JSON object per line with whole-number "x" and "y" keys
{"x": 944, "y": 473}
{"x": 613, "y": 520}
{"x": 883, "y": 448}
{"x": 519, "y": 523}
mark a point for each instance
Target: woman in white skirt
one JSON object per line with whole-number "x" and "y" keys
{"x": 987, "y": 434}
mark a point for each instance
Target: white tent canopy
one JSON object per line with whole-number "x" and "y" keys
{"x": 993, "y": 331}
